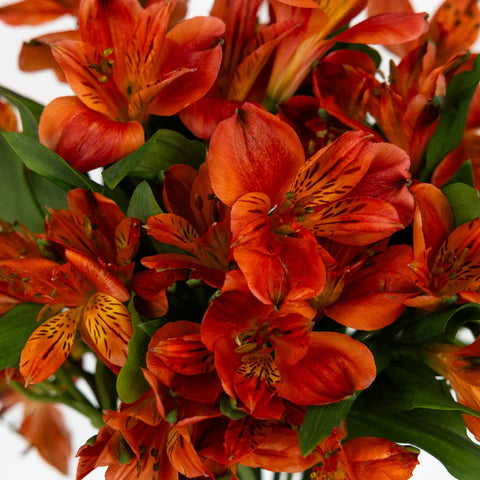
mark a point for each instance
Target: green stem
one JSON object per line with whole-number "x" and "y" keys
{"x": 105, "y": 381}
{"x": 49, "y": 396}
{"x": 64, "y": 380}
{"x": 89, "y": 378}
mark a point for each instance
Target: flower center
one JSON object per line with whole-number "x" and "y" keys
{"x": 104, "y": 69}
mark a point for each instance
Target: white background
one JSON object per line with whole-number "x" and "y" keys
{"x": 15, "y": 460}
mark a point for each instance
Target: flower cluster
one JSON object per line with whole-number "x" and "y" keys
{"x": 283, "y": 256}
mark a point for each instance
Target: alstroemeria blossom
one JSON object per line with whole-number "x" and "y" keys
{"x": 460, "y": 366}
{"x": 95, "y": 226}
{"x": 447, "y": 260}
{"x": 317, "y": 19}
{"x": 280, "y": 202}
{"x": 126, "y": 67}
{"x": 265, "y": 357}
{"x": 363, "y": 458}
{"x": 94, "y": 298}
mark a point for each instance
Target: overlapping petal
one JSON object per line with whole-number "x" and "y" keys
{"x": 49, "y": 346}
{"x": 87, "y": 139}
{"x": 253, "y": 151}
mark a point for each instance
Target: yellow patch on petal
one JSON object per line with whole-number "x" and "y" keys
{"x": 107, "y": 323}
{"x": 49, "y": 346}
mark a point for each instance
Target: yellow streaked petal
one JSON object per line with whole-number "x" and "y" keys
{"x": 49, "y": 346}
{"x": 107, "y": 324}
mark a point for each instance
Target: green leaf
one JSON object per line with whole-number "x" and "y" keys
{"x": 48, "y": 164}
{"x": 47, "y": 193}
{"x": 464, "y": 174}
{"x": 436, "y": 324}
{"x": 164, "y": 149}
{"x": 143, "y": 203}
{"x": 248, "y": 473}
{"x": 131, "y": 383}
{"x": 29, "y": 110}
{"x": 406, "y": 386}
{"x": 319, "y": 422}
{"x": 17, "y": 202}
{"x": 451, "y": 125}
{"x": 465, "y": 202}
{"x": 15, "y": 327}
{"x": 441, "y": 434}
{"x": 151, "y": 326}
{"x": 229, "y": 408}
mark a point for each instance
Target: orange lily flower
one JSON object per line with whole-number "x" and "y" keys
{"x": 138, "y": 442}
{"x": 35, "y": 12}
{"x": 459, "y": 365}
{"x": 178, "y": 359}
{"x": 280, "y": 202}
{"x": 317, "y": 20}
{"x": 368, "y": 287}
{"x": 469, "y": 148}
{"x": 447, "y": 262}
{"x": 407, "y": 109}
{"x": 93, "y": 297}
{"x": 197, "y": 223}
{"x": 132, "y": 444}
{"x": 42, "y": 426}
{"x": 280, "y": 452}
{"x": 264, "y": 356}
{"x": 126, "y": 67}
{"x": 338, "y": 72}
{"x": 452, "y": 29}
{"x": 364, "y": 458}
{"x": 247, "y": 48}
{"x": 16, "y": 243}
{"x": 94, "y": 226}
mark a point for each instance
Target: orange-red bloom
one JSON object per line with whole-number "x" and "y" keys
{"x": 447, "y": 261}
{"x": 316, "y": 20}
{"x": 366, "y": 290}
{"x": 197, "y": 223}
{"x": 407, "y": 110}
{"x": 460, "y": 366}
{"x": 132, "y": 444}
{"x": 364, "y": 458}
{"x": 95, "y": 226}
{"x": 94, "y": 239}
{"x": 126, "y": 67}
{"x": 15, "y": 243}
{"x": 453, "y": 28}
{"x": 264, "y": 356}
{"x": 93, "y": 297}
{"x": 280, "y": 202}
{"x": 247, "y": 48}
{"x": 178, "y": 359}
{"x": 469, "y": 148}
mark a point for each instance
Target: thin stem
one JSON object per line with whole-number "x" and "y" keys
{"x": 105, "y": 381}
{"x": 63, "y": 379}
{"x": 88, "y": 377}
{"x": 86, "y": 409}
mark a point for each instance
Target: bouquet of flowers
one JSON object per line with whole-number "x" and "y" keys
{"x": 280, "y": 267}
